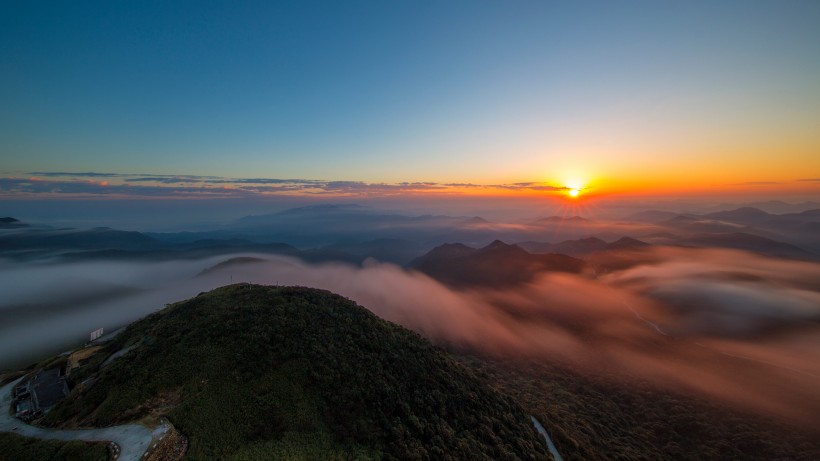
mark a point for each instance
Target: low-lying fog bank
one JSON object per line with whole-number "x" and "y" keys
{"x": 736, "y": 326}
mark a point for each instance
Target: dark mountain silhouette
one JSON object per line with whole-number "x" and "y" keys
{"x": 475, "y": 220}
{"x": 627, "y": 243}
{"x": 749, "y": 242}
{"x": 229, "y": 263}
{"x": 798, "y": 228}
{"x": 11, "y": 223}
{"x": 332, "y": 228}
{"x": 338, "y": 215}
{"x": 745, "y": 215}
{"x": 582, "y": 247}
{"x": 105, "y": 243}
{"x": 791, "y": 220}
{"x": 445, "y": 252}
{"x": 776, "y": 206}
{"x": 92, "y": 239}
{"x": 496, "y": 265}
{"x": 173, "y": 252}
{"x": 814, "y": 214}
{"x": 254, "y": 372}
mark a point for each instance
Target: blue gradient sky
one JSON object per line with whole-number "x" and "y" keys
{"x": 487, "y": 92}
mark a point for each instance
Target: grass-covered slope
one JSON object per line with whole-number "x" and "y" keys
{"x": 15, "y": 447}
{"x": 253, "y": 372}
{"x": 599, "y": 418}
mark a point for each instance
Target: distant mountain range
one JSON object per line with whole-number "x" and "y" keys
{"x": 583, "y": 247}
{"x": 353, "y": 234}
{"x": 774, "y": 206}
{"x": 800, "y": 231}
{"x": 748, "y": 242}
{"x": 747, "y": 215}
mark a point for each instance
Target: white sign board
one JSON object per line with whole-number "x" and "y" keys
{"x": 96, "y": 334}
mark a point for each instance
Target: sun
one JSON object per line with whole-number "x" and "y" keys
{"x": 574, "y": 188}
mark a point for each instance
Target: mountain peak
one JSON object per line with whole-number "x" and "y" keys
{"x": 475, "y": 220}
{"x": 626, "y": 243}
{"x": 496, "y": 244}
{"x": 445, "y": 251}
{"x": 325, "y": 368}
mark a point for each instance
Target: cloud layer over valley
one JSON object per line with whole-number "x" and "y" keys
{"x": 692, "y": 319}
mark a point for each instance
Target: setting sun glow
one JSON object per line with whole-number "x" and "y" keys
{"x": 574, "y": 187}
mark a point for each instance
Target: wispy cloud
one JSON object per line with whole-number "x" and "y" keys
{"x": 756, "y": 183}
{"x": 153, "y": 185}
{"x": 11, "y": 187}
{"x": 530, "y": 186}
{"x": 695, "y": 320}
{"x": 84, "y": 175}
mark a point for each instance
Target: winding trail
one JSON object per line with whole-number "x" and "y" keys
{"x": 550, "y": 445}
{"x": 132, "y": 439}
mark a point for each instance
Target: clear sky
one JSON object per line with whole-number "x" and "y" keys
{"x": 631, "y": 94}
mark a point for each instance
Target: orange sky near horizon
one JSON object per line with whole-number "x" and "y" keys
{"x": 589, "y": 186}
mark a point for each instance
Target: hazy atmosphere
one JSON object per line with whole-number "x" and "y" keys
{"x": 600, "y": 220}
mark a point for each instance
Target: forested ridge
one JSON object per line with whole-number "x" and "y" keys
{"x": 255, "y": 372}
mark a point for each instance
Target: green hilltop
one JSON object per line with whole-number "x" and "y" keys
{"x": 252, "y": 372}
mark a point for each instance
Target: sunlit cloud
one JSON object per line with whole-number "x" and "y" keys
{"x": 757, "y": 183}
{"x": 695, "y": 319}
{"x": 152, "y": 185}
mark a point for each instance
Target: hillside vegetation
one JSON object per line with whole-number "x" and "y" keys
{"x": 251, "y": 372}
{"x": 15, "y": 447}
{"x": 595, "y": 418}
